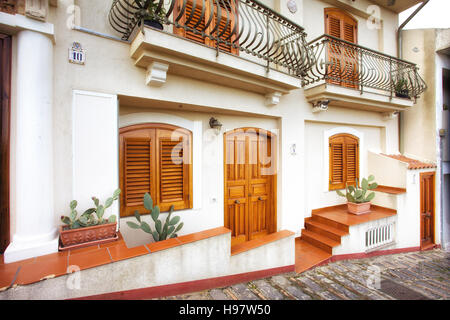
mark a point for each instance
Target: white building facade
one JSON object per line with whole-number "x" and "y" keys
{"x": 290, "y": 82}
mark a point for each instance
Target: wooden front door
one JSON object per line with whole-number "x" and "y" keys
{"x": 5, "y": 80}
{"x": 250, "y": 172}
{"x": 427, "y": 186}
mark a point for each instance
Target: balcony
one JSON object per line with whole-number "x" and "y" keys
{"x": 237, "y": 43}
{"x": 349, "y": 75}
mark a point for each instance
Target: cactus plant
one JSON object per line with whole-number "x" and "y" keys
{"x": 87, "y": 218}
{"x": 161, "y": 232}
{"x": 358, "y": 195}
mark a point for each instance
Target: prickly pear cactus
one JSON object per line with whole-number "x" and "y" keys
{"x": 360, "y": 195}
{"x": 161, "y": 231}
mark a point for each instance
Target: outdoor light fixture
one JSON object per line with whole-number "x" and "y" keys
{"x": 215, "y": 124}
{"x": 321, "y": 105}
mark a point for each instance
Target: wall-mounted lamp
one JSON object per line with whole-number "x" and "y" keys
{"x": 321, "y": 105}
{"x": 215, "y": 124}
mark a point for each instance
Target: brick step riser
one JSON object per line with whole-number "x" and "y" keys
{"x": 317, "y": 243}
{"x": 323, "y": 232}
{"x": 330, "y": 223}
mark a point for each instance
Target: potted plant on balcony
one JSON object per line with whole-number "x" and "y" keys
{"x": 152, "y": 18}
{"x": 357, "y": 200}
{"x": 162, "y": 231}
{"x": 401, "y": 88}
{"x": 90, "y": 228}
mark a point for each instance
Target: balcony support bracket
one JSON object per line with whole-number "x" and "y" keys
{"x": 273, "y": 98}
{"x": 156, "y": 74}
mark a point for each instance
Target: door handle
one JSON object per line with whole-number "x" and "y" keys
{"x": 237, "y": 201}
{"x": 260, "y": 198}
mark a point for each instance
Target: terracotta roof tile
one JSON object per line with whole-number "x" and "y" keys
{"x": 413, "y": 164}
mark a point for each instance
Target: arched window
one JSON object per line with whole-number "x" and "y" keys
{"x": 344, "y": 160}
{"x": 155, "y": 158}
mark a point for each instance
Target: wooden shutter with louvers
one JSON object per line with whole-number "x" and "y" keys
{"x": 174, "y": 165}
{"x": 192, "y": 17}
{"x": 336, "y": 147}
{"x": 344, "y": 161}
{"x": 343, "y": 59}
{"x": 227, "y": 24}
{"x": 155, "y": 158}
{"x": 351, "y": 158}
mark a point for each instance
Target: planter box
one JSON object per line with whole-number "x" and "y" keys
{"x": 83, "y": 237}
{"x": 358, "y": 208}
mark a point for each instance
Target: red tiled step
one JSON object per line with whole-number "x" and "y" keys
{"x": 324, "y": 229}
{"x": 319, "y": 240}
{"x": 330, "y": 222}
{"x": 308, "y": 256}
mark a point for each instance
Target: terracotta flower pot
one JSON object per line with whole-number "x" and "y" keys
{"x": 83, "y": 237}
{"x": 358, "y": 208}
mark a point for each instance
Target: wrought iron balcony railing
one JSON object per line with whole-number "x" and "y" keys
{"x": 228, "y": 25}
{"x": 349, "y": 65}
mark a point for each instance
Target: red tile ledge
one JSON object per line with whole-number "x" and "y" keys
{"x": 188, "y": 238}
{"x": 252, "y": 244}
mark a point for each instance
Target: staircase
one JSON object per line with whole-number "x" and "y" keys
{"x": 315, "y": 246}
{"x": 323, "y": 232}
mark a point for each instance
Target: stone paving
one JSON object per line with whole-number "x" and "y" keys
{"x": 407, "y": 276}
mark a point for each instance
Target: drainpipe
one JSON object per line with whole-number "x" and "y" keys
{"x": 400, "y": 56}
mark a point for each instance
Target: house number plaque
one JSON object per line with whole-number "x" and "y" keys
{"x": 77, "y": 54}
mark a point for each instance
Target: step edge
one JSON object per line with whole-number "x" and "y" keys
{"x": 319, "y": 236}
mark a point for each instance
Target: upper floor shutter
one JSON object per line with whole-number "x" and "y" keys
{"x": 197, "y": 15}
{"x": 227, "y": 24}
{"x": 343, "y": 58}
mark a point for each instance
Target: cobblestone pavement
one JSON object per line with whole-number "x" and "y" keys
{"x": 407, "y": 276}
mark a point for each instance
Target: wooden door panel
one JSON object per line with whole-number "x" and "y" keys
{"x": 259, "y": 185}
{"x": 236, "y": 188}
{"x": 427, "y": 192}
{"x": 237, "y": 221}
{"x": 248, "y": 186}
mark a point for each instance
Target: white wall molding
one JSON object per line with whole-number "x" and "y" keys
{"x": 11, "y": 24}
{"x": 326, "y": 152}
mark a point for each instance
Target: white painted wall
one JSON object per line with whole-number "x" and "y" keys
{"x": 95, "y": 145}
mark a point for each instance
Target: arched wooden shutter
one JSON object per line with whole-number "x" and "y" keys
{"x": 155, "y": 158}
{"x": 337, "y": 161}
{"x": 352, "y": 160}
{"x": 344, "y": 161}
{"x": 174, "y": 169}
{"x": 343, "y": 59}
